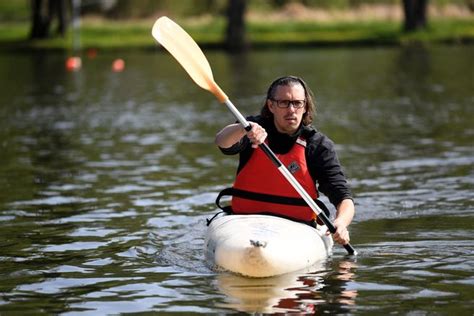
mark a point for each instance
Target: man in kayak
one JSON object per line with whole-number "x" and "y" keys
{"x": 285, "y": 125}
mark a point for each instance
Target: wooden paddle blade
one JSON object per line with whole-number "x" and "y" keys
{"x": 185, "y": 50}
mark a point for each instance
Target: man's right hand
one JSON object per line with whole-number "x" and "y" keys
{"x": 257, "y": 134}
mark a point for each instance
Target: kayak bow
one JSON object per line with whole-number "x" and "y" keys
{"x": 263, "y": 245}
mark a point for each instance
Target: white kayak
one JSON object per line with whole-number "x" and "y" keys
{"x": 263, "y": 245}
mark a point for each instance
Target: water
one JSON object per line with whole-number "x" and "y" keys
{"x": 106, "y": 180}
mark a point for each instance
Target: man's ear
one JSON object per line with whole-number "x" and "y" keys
{"x": 270, "y": 105}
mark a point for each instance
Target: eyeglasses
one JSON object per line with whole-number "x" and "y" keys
{"x": 284, "y": 104}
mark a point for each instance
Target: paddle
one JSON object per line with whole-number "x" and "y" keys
{"x": 185, "y": 50}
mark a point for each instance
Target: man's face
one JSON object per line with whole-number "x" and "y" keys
{"x": 287, "y": 119}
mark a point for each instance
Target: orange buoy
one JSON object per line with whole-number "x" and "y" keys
{"x": 91, "y": 53}
{"x": 73, "y": 63}
{"x": 118, "y": 65}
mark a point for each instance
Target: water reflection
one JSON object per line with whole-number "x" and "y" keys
{"x": 322, "y": 288}
{"x": 106, "y": 180}
{"x": 413, "y": 69}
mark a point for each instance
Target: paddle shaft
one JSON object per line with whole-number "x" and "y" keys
{"x": 288, "y": 176}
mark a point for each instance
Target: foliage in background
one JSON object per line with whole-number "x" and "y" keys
{"x": 14, "y": 11}
{"x": 19, "y": 10}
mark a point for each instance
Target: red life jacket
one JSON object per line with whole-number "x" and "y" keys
{"x": 267, "y": 191}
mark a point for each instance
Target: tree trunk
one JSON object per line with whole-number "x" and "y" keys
{"x": 235, "y": 33}
{"x": 43, "y": 12}
{"x": 58, "y": 8}
{"x": 415, "y": 14}
{"x": 39, "y": 20}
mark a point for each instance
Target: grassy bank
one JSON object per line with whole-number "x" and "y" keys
{"x": 367, "y": 32}
{"x": 209, "y": 32}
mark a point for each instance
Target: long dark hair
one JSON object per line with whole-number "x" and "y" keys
{"x": 289, "y": 81}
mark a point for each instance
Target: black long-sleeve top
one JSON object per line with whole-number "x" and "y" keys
{"x": 321, "y": 157}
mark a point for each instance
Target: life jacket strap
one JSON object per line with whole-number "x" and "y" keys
{"x": 265, "y": 198}
{"x": 261, "y": 197}
{"x": 226, "y": 192}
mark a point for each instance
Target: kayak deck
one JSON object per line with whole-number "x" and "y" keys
{"x": 263, "y": 245}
